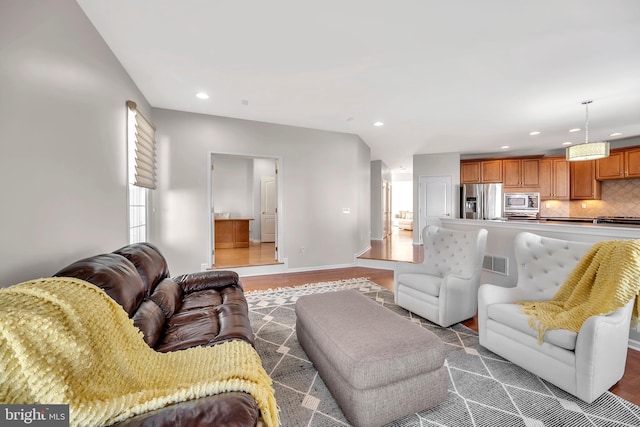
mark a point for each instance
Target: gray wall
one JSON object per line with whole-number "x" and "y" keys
{"x": 63, "y": 159}
{"x": 233, "y": 185}
{"x": 322, "y": 173}
{"x": 62, "y": 140}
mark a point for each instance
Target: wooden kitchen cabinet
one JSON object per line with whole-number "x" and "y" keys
{"x": 232, "y": 233}
{"x": 492, "y": 171}
{"x": 584, "y": 185}
{"x": 480, "y": 171}
{"x": 470, "y": 173}
{"x": 521, "y": 173}
{"x": 632, "y": 163}
{"x": 623, "y": 163}
{"x": 554, "y": 179}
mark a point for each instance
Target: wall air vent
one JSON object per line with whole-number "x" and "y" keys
{"x": 496, "y": 264}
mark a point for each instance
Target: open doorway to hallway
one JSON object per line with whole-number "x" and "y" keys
{"x": 244, "y": 202}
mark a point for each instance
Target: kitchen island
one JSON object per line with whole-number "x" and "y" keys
{"x": 231, "y": 233}
{"x": 502, "y": 233}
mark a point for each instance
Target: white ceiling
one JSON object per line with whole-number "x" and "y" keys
{"x": 444, "y": 76}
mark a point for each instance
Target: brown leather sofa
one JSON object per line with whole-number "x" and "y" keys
{"x": 198, "y": 309}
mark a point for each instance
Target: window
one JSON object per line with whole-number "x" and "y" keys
{"x": 137, "y": 214}
{"x": 142, "y": 171}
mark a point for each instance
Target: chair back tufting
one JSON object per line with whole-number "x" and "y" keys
{"x": 544, "y": 263}
{"x": 453, "y": 251}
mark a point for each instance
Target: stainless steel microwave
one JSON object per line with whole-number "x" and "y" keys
{"x": 521, "y": 203}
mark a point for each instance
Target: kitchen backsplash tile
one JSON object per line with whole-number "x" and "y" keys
{"x": 620, "y": 197}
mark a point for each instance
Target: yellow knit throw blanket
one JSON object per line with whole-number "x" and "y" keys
{"x": 64, "y": 340}
{"x": 604, "y": 280}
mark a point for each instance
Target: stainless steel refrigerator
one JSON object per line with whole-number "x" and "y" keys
{"x": 481, "y": 201}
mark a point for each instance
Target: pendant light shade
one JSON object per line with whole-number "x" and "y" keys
{"x": 588, "y": 150}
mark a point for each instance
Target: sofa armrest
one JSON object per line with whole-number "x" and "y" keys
{"x": 210, "y": 279}
{"x": 493, "y": 294}
{"x": 403, "y": 268}
{"x": 601, "y": 351}
{"x": 456, "y": 299}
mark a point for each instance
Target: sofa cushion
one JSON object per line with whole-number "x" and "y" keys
{"x": 116, "y": 275}
{"x": 197, "y": 300}
{"x": 150, "y": 263}
{"x": 150, "y": 319}
{"x": 421, "y": 282}
{"x": 168, "y": 296}
{"x": 511, "y": 315}
{"x": 190, "y": 329}
{"x": 232, "y": 408}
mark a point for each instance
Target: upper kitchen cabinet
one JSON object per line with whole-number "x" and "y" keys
{"x": 554, "y": 178}
{"x": 521, "y": 173}
{"x": 480, "y": 171}
{"x": 470, "y": 173}
{"x": 622, "y": 163}
{"x": 632, "y": 163}
{"x": 584, "y": 185}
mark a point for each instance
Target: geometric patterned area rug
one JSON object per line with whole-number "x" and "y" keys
{"x": 484, "y": 389}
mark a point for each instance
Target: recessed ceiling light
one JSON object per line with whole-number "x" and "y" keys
{"x": 575, "y": 130}
{"x": 378, "y": 124}
{"x": 616, "y": 134}
{"x": 504, "y": 147}
{"x": 567, "y": 143}
{"x": 535, "y": 132}
{"x": 202, "y": 95}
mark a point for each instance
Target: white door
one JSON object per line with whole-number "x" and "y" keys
{"x": 435, "y": 200}
{"x": 268, "y": 204}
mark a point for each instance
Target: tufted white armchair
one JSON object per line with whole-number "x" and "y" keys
{"x": 584, "y": 364}
{"x": 444, "y": 287}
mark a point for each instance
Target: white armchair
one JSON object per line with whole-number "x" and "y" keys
{"x": 444, "y": 287}
{"x": 584, "y": 364}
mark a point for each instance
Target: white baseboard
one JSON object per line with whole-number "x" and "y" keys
{"x": 634, "y": 345}
{"x": 321, "y": 267}
{"x": 376, "y": 263}
{"x": 363, "y": 251}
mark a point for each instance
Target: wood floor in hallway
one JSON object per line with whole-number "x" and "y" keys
{"x": 397, "y": 247}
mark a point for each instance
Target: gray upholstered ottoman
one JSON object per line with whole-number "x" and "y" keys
{"x": 378, "y": 365}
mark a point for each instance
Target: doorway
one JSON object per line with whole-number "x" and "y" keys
{"x": 386, "y": 209}
{"x": 243, "y": 209}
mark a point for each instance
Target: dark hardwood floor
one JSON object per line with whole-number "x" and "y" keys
{"x": 400, "y": 248}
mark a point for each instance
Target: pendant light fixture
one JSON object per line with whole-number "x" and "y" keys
{"x": 588, "y": 150}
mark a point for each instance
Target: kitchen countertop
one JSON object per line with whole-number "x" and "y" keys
{"x": 554, "y": 225}
{"x": 574, "y": 221}
{"x": 569, "y": 219}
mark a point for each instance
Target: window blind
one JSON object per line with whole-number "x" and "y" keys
{"x": 143, "y": 152}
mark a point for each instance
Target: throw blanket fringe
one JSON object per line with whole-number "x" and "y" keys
{"x": 604, "y": 280}
{"x": 64, "y": 340}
